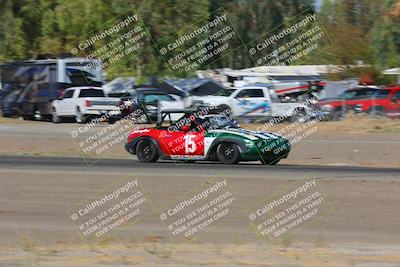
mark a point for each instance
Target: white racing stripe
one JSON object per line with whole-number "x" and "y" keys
{"x": 251, "y": 137}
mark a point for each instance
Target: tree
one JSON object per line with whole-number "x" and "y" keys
{"x": 386, "y": 37}
{"x": 12, "y": 37}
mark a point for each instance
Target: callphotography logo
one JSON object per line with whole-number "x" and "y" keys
{"x": 303, "y": 122}
{"x": 116, "y": 42}
{"x": 195, "y": 213}
{"x": 200, "y": 44}
{"x": 95, "y": 141}
{"x": 288, "y": 211}
{"x": 287, "y": 45}
{"x": 203, "y": 128}
{"x": 110, "y": 210}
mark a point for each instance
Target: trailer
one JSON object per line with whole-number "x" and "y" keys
{"x": 28, "y": 87}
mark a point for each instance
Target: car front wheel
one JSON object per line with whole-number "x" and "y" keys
{"x": 338, "y": 115}
{"x": 228, "y": 153}
{"x": 55, "y": 117}
{"x": 300, "y": 117}
{"x": 146, "y": 151}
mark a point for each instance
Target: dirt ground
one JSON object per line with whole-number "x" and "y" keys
{"x": 156, "y": 254}
{"x": 360, "y": 228}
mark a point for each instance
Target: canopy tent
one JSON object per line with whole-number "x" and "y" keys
{"x": 119, "y": 85}
{"x": 195, "y": 86}
{"x": 394, "y": 71}
{"x": 170, "y": 89}
{"x": 184, "y": 87}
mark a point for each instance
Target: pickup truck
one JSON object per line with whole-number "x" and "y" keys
{"x": 254, "y": 101}
{"x": 83, "y": 103}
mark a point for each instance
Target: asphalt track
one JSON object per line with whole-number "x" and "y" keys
{"x": 171, "y": 167}
{"x": 37, "y": 192}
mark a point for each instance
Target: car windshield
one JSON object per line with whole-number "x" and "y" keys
{"x": 225, "y": 92}
{"x": 382, "y": 94}
{"x": 274, "y": 96}
{"x": 349, "y": 94}
{"x": 218, "y": 122}
{"x": 359, "y": 93}
{"x": 157, "y": 97}
{"x": 91, "y": 93}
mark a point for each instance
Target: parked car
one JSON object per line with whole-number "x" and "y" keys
{"x": 83, "y": 103}
{"x": 385, "y": 102}
{"x": 150, "y": 100}
{"x": 254, "y": 101}
{"x": 198, "y": 135}
{"x": 335, "y": 108}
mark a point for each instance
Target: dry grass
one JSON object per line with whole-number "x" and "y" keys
{"x": 352, "y": 124}
{"x": 11, "y": 120}
{"x": 186, "y": 254}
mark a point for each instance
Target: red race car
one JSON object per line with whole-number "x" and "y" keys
{"x": 198, "y": 135}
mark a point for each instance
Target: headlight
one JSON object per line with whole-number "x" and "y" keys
{"x": 151, "y": 108}
{"x": 127, "y": 103}
{"x": 326, "y": 107}
{"x": 358, "y": 107}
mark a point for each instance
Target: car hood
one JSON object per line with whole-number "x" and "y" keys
{"x": 248, "y": 134}
{"x": 210, "y": 98}
{"x": 328, "y": 101}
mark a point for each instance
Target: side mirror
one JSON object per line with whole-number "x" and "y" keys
{"x": 186, "y": 128}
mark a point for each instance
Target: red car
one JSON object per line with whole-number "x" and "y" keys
{"x": 379, "y": 102}
{"x": 384, "y": 103}
{"x": 335, "y": 108}
{"x": 200, "y": 136}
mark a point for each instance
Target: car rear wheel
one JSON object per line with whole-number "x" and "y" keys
{"x": 228, "y": 153}
{"x": 112, "y": 120}
{"x": 146, "y": 151}
{"x": 28, "y": 117}
{"x": 79, "y": 117}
